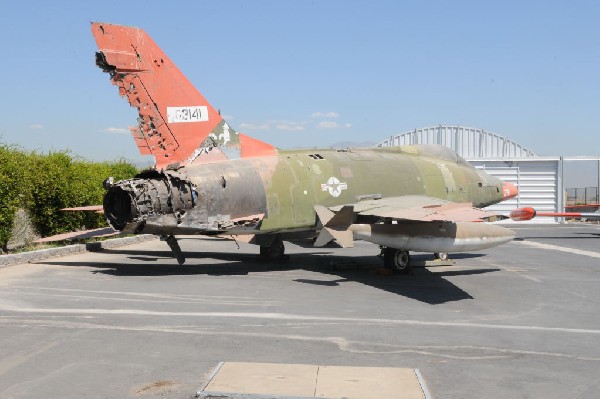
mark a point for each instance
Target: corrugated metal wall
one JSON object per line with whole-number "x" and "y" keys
{"x": 538, "y": 181}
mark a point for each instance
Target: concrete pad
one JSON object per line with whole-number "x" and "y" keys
{"x": 367, "y": 383}
{"x": 42, "y": 254}
{"x": 311, "y": 381}
{"x": 265, "y": 379}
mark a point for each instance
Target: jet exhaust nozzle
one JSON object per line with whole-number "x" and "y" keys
{"x": 128, "y": 203}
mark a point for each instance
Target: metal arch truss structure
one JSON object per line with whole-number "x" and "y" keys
{"x": 540, "y": 179}
{"x": 466, "y": 141}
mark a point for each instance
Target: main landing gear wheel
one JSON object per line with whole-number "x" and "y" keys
{"x": 396, "y": 260}
{"x": 275, "y": 251}
{"x": 441, "y": 255}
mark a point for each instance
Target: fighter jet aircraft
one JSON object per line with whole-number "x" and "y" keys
{"x": 210, "y": 179}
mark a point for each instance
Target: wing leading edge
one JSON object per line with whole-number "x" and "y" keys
{"x": 419, "y": 208}
{"x": 411, "y": 223}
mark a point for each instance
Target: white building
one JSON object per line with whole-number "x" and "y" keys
{"x": 539, "y": 179}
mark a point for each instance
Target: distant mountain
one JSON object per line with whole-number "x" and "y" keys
{"x": 143, "y": 164}
{"x": 353, "y": 144}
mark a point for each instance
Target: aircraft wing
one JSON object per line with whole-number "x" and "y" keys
{"x": 79, "y": 235}
{"x": 416, "y": 226}
{"x": 88, "y": 208}
{"x": 418, "y": 208}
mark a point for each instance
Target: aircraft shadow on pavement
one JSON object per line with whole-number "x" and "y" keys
{"x": 594, "y": 235}
{"x": 424, "y": 284}
{"x": 466, "y": 256}
{"x": 162, "y": 263}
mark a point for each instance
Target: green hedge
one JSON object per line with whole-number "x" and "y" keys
{"x": 44, "y": 183}
{"x": 13, "y": 190}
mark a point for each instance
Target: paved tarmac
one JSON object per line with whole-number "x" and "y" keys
{"x": 517, "y": 321}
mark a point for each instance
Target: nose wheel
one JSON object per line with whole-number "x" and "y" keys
{"x": 441, "y": 255}
{"x": 396, "y": 260}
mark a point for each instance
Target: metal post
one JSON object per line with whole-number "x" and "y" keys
{"x": 561, "y": 188}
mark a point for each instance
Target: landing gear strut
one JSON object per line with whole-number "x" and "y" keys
{"x": 396, "y": 260}
{"x": 441, "y": 255}
{"x": 174, "y": 245}
{"x": 275, "y": 251}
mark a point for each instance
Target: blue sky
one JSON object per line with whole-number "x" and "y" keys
{"x": 313, "y": 73}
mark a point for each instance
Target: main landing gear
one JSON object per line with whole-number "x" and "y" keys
{"x": 396, "y": 260}
{"x": 274, "y": 251}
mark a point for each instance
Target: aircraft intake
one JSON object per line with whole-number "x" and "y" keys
{"x": 128, "y": 203}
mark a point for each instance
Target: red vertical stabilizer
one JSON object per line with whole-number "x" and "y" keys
{"x": 177, "y": 124}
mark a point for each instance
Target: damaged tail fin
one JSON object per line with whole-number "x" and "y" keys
{"x": 177, "y": 125}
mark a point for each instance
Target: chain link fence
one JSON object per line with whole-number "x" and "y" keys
{"x": 582, "y": 196}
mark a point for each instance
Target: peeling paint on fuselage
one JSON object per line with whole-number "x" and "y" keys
{"x": 297, "y": 184}
{"x": 232, "y": 196}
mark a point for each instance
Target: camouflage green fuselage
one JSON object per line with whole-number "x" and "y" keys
{"x": 334, "y": 177}
{"x": 278, "y": 193}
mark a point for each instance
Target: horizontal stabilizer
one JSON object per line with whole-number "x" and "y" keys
{"x": 80, "y": 235}
{"x": 88, "y": 208}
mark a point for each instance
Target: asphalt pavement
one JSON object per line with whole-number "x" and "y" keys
{"x": 518, "y": 321}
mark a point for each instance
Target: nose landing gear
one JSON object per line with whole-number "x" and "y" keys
{"x": 441, "y": 255}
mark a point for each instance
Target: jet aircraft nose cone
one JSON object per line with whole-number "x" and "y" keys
{"x": 509, "y": 191}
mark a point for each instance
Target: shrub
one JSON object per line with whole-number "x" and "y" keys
{"x": 13, "y": 190}
{"x": 44, "y": 183}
